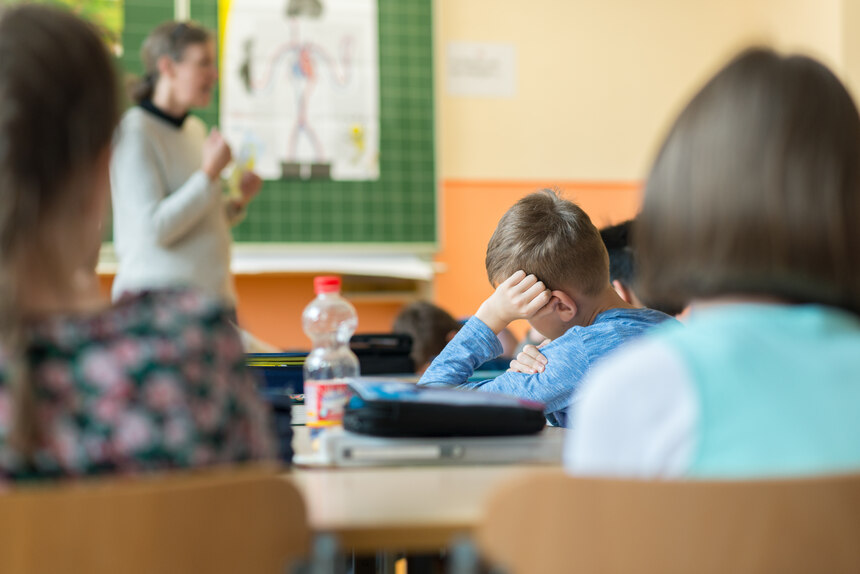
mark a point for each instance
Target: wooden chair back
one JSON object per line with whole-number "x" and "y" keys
{"x": 549, "y": 522}
{"x": 239, "y": 520}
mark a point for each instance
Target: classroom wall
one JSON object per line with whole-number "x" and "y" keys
{"x": 810, "y": 26}
{"x": 598, "y": 81}
{"x": 598, "y": 84}
{"x": 849, "y": 22}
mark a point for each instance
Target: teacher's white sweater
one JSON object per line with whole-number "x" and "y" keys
{"x": 170, "y": 223}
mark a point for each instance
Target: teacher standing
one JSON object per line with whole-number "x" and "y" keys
{"x": 172, "y": 219}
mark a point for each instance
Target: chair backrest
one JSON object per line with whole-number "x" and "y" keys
{"x": 549, "y": 522}
{"x": 246, "y": 520}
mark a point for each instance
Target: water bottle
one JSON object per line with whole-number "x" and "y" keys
{"x": 329, "y": 320}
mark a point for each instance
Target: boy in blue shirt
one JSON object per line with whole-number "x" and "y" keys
{"x": 550, "y": 267}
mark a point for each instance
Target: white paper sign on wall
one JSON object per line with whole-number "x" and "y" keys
{"x": 482, "y": 70}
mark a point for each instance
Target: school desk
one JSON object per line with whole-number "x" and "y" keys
{"x": 394, "y": 509}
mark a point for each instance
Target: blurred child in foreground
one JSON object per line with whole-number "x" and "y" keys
{"x": 156, "y": 381}
{"x": 750, "y": 212}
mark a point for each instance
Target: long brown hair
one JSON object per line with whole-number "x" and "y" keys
{"x": 58, "y": 110}
{"x": 167, "y": 39}
{"x": 756, "y": 190}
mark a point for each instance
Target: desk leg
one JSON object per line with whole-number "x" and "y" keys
{"x": 382, "y": 563}
{"x": 385, "y": 563}
{"x": 325, "y": 556}
{"x": 463, "y": 557}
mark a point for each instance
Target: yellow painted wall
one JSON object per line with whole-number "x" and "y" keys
{"x": 810, "y": 26}
{"x": 598, "y": 83}
{"x": 850, "y": 44}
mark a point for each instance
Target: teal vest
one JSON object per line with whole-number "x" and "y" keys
{"x": 778, "y": 389}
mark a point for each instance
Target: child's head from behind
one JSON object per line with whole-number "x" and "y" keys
{"x": 756, "y": 190}
{"x": 553, "y": 239}
{"x": 430, "y": 327}
{"x": 58, "y": 110}
{"x": 622, "y": 271}
{"x": 622, "y": 265}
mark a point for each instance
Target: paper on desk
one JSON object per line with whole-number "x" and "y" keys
{"x": 337, "y": 447}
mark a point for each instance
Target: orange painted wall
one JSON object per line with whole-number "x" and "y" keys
{"x": 270, "y": 307}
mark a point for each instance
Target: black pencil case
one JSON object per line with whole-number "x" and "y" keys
{"x": 397, "y": 409}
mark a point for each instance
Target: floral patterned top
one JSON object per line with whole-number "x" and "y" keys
{"x": 155, "y": 382}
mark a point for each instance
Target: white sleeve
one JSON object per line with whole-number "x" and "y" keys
{"x": 635, "y": 416}
{"x": 140, "y": 183}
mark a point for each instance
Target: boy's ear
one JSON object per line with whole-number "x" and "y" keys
{"x": 451, "y": 334}
{"x": 565, "y": 307}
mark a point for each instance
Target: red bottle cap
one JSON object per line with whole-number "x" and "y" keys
{"x": 326, "y": 284}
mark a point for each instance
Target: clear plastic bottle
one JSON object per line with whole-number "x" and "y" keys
{"x": 329, "y": 320}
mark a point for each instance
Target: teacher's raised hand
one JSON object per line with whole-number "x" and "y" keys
{"x": 216, "y": 155}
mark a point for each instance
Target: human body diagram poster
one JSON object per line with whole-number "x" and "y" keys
{"x": 300, "y": 87}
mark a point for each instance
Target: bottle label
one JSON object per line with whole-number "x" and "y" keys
{"x": 324, "y": 401}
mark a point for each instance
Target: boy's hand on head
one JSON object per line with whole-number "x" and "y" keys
{"x": 530, "y": 360}
{"x": 520, "y": 296}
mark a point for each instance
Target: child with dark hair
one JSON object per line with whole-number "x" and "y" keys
{"x": 750, "y": 212}
{"x": 622, "y": 270}
{"x": 622, "y": 265}
{"x": 155, "y": 382}
{"x": 550, "y": 267}
{"x": 430, "y": 327}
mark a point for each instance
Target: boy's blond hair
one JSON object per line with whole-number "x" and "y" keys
{"x": 552, "y": 238}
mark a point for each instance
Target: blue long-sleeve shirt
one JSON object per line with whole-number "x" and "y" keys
{"x": 568, "y": 359}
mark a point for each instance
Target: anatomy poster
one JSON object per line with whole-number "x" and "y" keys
{"x": 300, "y": 87}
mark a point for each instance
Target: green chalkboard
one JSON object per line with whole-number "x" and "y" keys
{"x": 399, "y": 207}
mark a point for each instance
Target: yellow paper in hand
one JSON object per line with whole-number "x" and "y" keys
{"x": 244, "y": 162}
